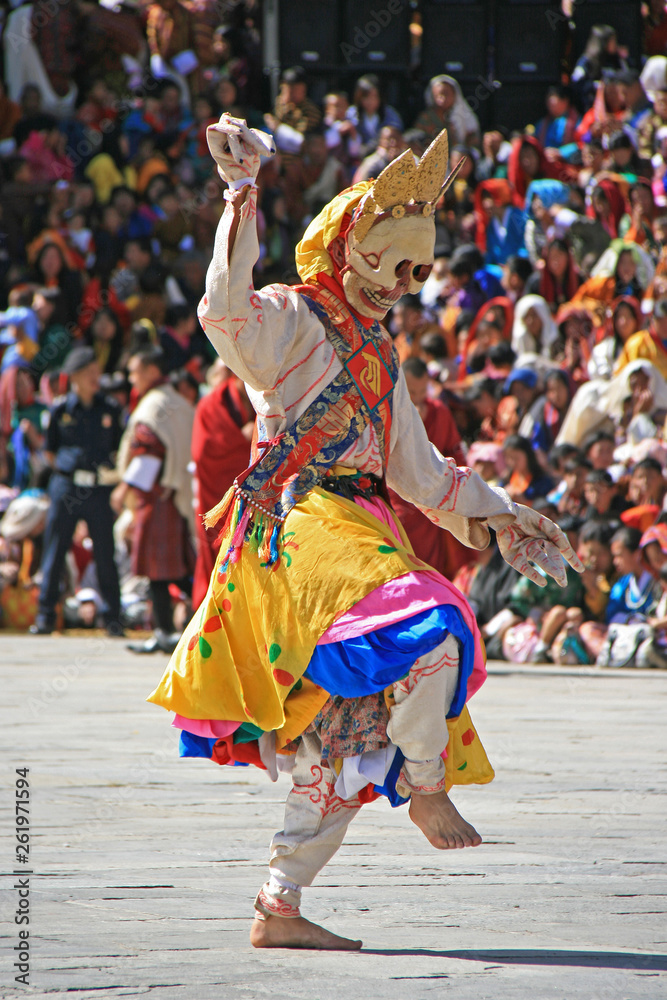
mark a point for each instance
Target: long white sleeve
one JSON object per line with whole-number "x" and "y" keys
{"x": 450, "y": 496}
{"x": 272, "y": 340}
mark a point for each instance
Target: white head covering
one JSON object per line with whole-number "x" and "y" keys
{"x": 24, "y": 514}
{"x": 606, "y": 265}
{"x": 522, "y": 341}
{"x": 596, "y": 401}
{"x": 462, "y": 119}
{"x": 654, "y": 76}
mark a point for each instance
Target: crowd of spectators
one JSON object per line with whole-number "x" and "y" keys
{"x": 536, "y": 352}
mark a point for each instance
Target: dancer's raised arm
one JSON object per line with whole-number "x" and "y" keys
{"x": 253, "y": 331}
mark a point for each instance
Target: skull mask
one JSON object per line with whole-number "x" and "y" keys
{"x": 395, "y": 257}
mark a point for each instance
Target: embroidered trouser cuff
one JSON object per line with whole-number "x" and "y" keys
{"x": 278, "y": 898}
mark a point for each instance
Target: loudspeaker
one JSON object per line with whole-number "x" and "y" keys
{"x": 623, "y": 16}
{"x": 516, "y": 105}
{"x": 310, "y": 33}
{"x": 528, "y": 41}
{"x": 376, "y": 34}
{"x": 454, "y": 40}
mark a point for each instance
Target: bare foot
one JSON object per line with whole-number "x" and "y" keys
{"x": 297, "y": 932}
{"x": 441, "y": 823}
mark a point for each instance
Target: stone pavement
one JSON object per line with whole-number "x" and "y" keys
{"x": 146, "y": 866}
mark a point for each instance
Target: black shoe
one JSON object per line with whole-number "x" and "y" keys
{"x": 40, "y": 628}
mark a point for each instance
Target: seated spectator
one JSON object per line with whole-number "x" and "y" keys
{"x": 51, "y": 271}
{"x": 602, "y": 497}
{"x": 622, "y": 159}
{"x": 598, "y": 449}
{"x": 390, "y": 144}
{"x": 558, "y": 126}
{"x": 631, "y": 401}
{"x": 410, "y": 321}
{"x": 516, "y": 272}
{"x": 467, "y": 289}
{"x": 624, "y": 269}
{"x": 601, "y": 53}
{"x": 446, "y": 107}
{"x": 584, "y": 628}
{"x": 294, "y": 112}
{"x": 527, "y": 480}
{"x": 107, "y": 338}
{"x": 499, "y": 224}
{"x": 485, "y": 333}
{"x": 22, "y": 418}
{"x": 548, "y": 413}
{"x": 609, "y": 110}
{"x": 174, "y": 229}
{"x": 636, "y": 591}
{"x": 312, "y": 180}
{"x": 45, "y": 151}
{"x": 487, "y": 582}
{"x": 575, "y": 328}
{"x": 486, "y": 459}
{"x": 595, "y": 552}
{"x": 544, "y": 608}
{"x": 21, "y": 543}
{"x": 528, "y": 163}
{"x": 651, "y": 125}
{"x": 55, "y": 338}
{"x": 544, "y": 199}
{"x": 647, "y": 483}
{"x": 534, "y": 330}
{"x": 521, "y": 390}
{"x": 180, "y": 339}
{"x": 573, "y": 500}
{"x": 370, "y": 114}
{"x": 637, "y": 227}
{"x": 624, "y": 319}
{"x": 341, "y": 134}
{"x": 98, "y": 110}
{"x": 557, "y": 281}
{"x": 653, "y": 546}
{"x": 483, "y": 402}
{"x": 650, "y": 343}
{"x": 137, "y": 255}
{"x": 133, "y": 225}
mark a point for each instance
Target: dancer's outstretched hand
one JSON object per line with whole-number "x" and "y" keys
{"x": 238, "y": 149}
{"x": 533, "y": 538}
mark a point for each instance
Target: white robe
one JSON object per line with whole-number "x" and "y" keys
{"x": 272, "y": 340}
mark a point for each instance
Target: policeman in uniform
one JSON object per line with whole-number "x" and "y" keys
{"x": 82, "y": 437}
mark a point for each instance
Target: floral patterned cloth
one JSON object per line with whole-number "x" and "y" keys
{"x": 351, "y": 726}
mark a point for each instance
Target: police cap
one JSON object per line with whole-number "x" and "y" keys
{"x": 78, "y": 359}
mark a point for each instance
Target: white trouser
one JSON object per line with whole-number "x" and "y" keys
{"x": 316, "y": 818}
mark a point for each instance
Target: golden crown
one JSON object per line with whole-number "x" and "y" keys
{"x": 405, "y": 186}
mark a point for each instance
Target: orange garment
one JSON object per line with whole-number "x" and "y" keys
{"x": 599, "y": 289}
{"x": 148, "y": 170}
{"x": 645, "y": 345}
